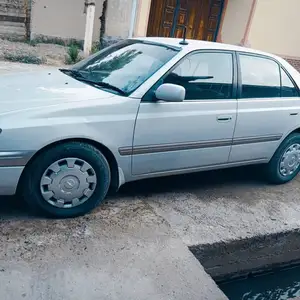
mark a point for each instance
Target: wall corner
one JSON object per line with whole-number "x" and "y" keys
{"x": 219, "y": 36}
{"x": 245, "y": 40}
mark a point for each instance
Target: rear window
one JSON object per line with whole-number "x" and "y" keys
{"x": 288, "y": 88}
{"x": 260, "y": 77}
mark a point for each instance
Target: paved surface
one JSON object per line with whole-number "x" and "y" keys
{"x": 8, "y": 67}
{"x": 226, "y": 205}
{"x": 130, "y": 248}
{"x": 121, "y": 251}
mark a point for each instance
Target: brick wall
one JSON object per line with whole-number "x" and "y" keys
{"x": 294, "y": 62}
{"x": 12, "y": 19}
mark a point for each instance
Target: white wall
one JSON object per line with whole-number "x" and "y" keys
{"x": 65, "y": 18}
{"x": 276, "y": 27}
{"x": 235, "y": 21}
{"x": 142, "y": 18}
{"x": 118, "y": 18}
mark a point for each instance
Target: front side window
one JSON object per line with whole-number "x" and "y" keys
{"x": 288, "y": 88}
{"x": 204, "y": 75}
{"x": 260, "y": 77}
{"x": 123, "y": 67}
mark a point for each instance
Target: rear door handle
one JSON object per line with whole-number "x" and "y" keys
{"x": 224, "y": 118}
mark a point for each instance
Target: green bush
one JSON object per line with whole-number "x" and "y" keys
{"x": 73, "y": 55}
{"x": 57, "y": 41}
{"x": 49, "y": 40}
{"x": 95, "y": 48}
{"x": 77, "y": 43}
{"x": 32, "y": 43}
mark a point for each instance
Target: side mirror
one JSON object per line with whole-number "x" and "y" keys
{"x": 170, "y": 93}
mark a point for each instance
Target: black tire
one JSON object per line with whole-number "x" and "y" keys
{"x": 34, "y": 172}
{"x": 273, "y": 168}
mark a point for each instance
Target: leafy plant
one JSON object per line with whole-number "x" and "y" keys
{"x": 78, "y": 43}
{"x": 32, "y": 43}
{"x": 48, "y": 40}
{"x": 57, "y": 41}
{"x": 73, "y": 55}
{"x": 95, "y": 48}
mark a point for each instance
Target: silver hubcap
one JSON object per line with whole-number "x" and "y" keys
{"x": 68, "y": 182}
{"x": 290, "y": 160}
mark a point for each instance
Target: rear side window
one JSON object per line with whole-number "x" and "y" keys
{"x": 288, "y": 88}
{"x": 260, "y": 77}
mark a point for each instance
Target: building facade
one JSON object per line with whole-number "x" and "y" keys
{"x": 268, "y": 25}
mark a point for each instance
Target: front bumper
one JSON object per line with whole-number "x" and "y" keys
{"x": 9, "y": 179}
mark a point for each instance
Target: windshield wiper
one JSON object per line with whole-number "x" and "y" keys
{"x": 73, "y": 73}
{"x": 77, "y": 74}
{"x": 108, "y": 86}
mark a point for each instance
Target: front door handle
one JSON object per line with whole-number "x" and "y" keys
{"x": 224, "y": 118}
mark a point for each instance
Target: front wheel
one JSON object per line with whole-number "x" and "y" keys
{"x": 67, "y": 180}
{"x": 285, "y": 164}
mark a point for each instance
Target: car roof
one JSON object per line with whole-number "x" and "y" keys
{"x": 198, "y": 44}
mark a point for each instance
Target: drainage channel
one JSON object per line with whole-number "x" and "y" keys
{"x": 261, "y": 267}
{"x": 278, "y": 284}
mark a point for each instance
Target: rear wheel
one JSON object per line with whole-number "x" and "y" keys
{"x": 285, "y": 164}
{"x": 67, "y": 180}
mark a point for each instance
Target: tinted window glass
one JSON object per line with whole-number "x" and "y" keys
{"x": 204, "y": 76}
{"x": 288, "y": 87}
{"x": 125, "y": 65}
{"x": 260, "y": 77}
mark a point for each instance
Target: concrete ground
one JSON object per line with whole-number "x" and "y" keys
{"x": 123, "y": 250}
{"x": 135, "y": 245}
{"x": 227, "y": 205}
{"x": 131, "y": 247}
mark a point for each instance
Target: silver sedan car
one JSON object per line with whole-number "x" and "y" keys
{"x": 145, "y": 108}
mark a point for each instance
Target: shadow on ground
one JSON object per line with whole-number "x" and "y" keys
{"x": 13, "y": 207}
{"x": 191, "y": 182}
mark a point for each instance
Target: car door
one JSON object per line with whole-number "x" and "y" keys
{"x": 193, "y": 134}
{"x": 268, "y": 106}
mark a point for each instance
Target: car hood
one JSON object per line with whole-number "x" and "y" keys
{"x": 23, "y": 91}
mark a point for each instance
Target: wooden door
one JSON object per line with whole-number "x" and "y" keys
{"x": 201, "y": 18}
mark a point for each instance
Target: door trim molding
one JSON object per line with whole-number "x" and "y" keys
{"x": 15, "y": 158}
{"x": 256, "y": 139}
{"x": 174, "y": 147}
{"x": 148, "y": 149}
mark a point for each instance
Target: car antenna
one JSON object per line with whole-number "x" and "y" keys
{"x": 184, "y": 42}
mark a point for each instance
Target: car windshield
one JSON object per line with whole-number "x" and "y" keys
{"x": 123, "y": 67}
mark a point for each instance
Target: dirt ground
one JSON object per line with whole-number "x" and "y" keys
{"x": 122, "y": 250}
{"x": 50, "y": 54}
{"x": 131, "y": 246}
